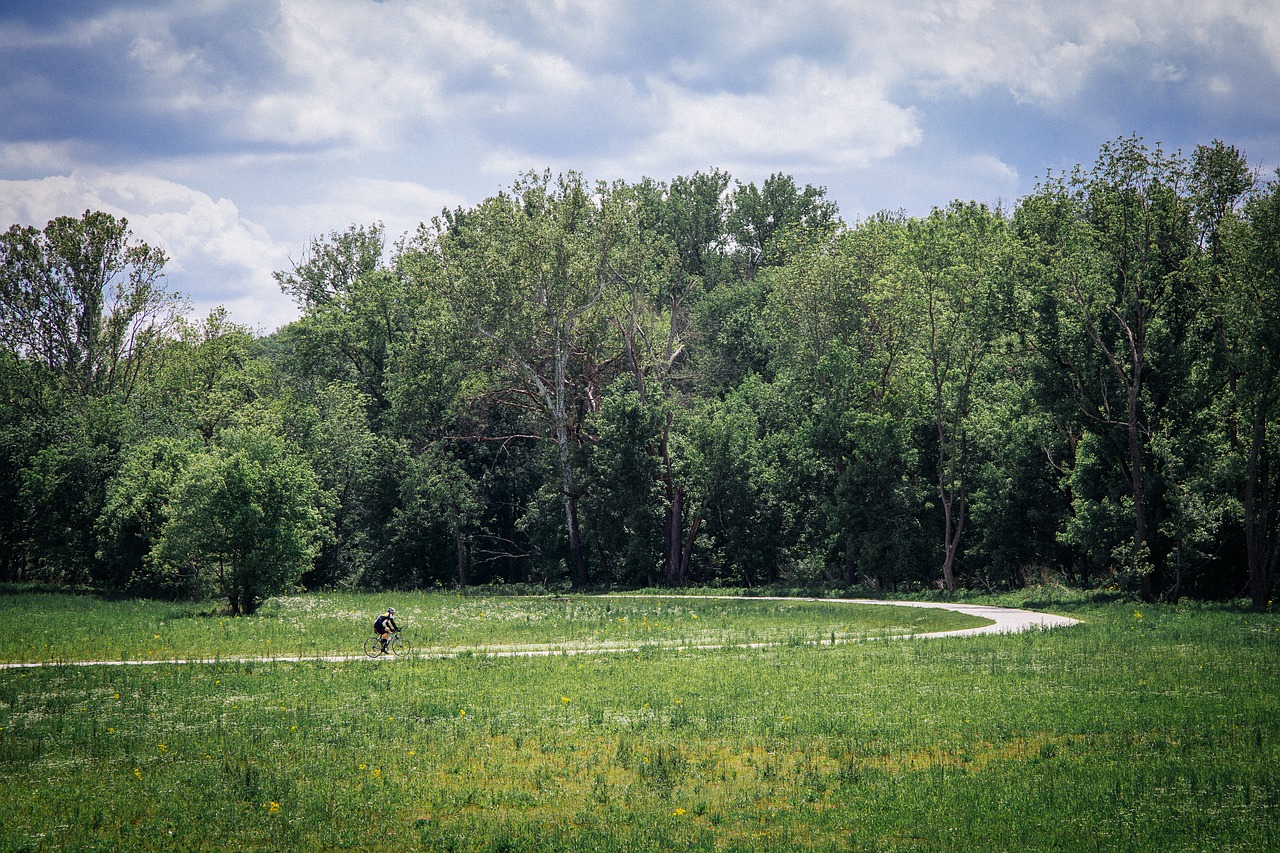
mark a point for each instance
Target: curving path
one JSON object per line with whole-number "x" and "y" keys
{"x": 1003, "y": 620}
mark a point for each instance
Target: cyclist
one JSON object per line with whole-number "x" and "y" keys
{"x": 384, "y": 625}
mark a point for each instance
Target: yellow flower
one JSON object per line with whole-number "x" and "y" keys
{"x": 163, "y": 747}
{"x": 678, "y": 812}
{"x": 273, "y": 807}
{"x": 377, "y": 772}
{"x": 564, "y": 699}
{"x": 137, "y": 772}
{"x": 362, "y": 767}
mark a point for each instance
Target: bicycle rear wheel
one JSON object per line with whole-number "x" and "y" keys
{"x": 373, "y": 646}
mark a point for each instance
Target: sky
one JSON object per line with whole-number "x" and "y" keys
{"x": 232, "y": 133}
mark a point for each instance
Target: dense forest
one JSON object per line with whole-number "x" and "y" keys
{"x": 692, "y": 382}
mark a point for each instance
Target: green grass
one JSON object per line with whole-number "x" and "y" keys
{"x": 42, "y": 628}
{"x": 1144, "y": 728}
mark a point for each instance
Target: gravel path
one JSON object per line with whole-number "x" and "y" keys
{"x": 1004, "y": 620}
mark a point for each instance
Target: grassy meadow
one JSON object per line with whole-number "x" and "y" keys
{"x": 52, "y": 628}
{"x": 1144, "y": 728}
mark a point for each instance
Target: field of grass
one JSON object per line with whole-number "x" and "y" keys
{"x": 37, "y": 628}
{"x": 1144, "y": 728}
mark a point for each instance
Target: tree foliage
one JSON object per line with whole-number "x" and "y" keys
{"x": 692, "y": 381}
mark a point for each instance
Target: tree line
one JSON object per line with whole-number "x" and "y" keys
{"x": 664, "y": 383}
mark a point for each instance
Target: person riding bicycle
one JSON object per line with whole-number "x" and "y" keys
{"x": 384, "y": 625}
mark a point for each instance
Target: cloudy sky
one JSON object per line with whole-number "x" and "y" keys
{"x": 232, "y": 132}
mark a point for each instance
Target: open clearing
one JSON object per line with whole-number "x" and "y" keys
{"x": 1141, "y": 728}
{"x": 999, "y": 620}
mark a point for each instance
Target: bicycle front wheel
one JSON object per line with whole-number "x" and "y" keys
{"x": 399, "y": 647}
{"x": 373, "y": 646}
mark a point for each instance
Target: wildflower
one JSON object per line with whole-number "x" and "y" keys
{"x": 163, "y": 747}
{"x": 377, "y": 772}
{"x": 273, "y": 807}
{"x": 564, "y": 699}
{"x": 110, "y": 730}
{"x": 1137, "y": 615}
{"x": 362, "y": 767}
{"x": 462, "y": 713}
{"x": 137, "y": 772}
{"x": 678, "y": 812}
{"x": 412, "y": 753}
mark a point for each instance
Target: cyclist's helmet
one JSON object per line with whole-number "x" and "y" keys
{"x": 391, "y": 610}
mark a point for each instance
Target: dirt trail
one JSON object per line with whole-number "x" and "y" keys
{"x": 1003, "y": 620}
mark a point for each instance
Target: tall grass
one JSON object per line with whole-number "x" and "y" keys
{"x": 44, "y": 628}
{"x": 1148, "y": 728}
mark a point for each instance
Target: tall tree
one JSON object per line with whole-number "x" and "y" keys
{"x": 959, "y": 257}
{"x": 763, "y": 220}
{"x": 844, "y": 319}
{"x": 84, "y": 318}
{"x": 1248, "y": 303}
{"x": 1116, "y": 287}
{"x": 533, "y": 271}
{"x": 84, "y": 301}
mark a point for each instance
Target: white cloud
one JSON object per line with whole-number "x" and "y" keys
{"x": 216, "y": 256}
{"x": 36, "y": 157}
{"x": 243, "y": 130}
{"x": 805, "y": 116}
{"x": 399, "y": 205}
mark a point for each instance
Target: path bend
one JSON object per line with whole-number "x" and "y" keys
{"x": 1003, "y": 620}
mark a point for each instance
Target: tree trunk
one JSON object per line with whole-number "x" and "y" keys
{"x": 674, "y": 529}
{"x": 1135, "y": 474}
{"x": 1260, "y": 542}
{"x": 460, "y": 549}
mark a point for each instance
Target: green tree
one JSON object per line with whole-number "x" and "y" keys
{"x": 623, "y": 500}
{"x": 764, "y": 222}
{"x": 535, "y": 273}
{"x": 247, "y": 516}
{"x": 959, "y": 259}
{"x": 1248, "y": 303}
{"x": 845, "y": 319}
{"x": 82, "y": 301}
{"x": 136, "y": 510}
{"x": 1114, "y": 277}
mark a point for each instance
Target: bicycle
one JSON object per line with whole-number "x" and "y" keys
{"x": 396, "y": 646}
